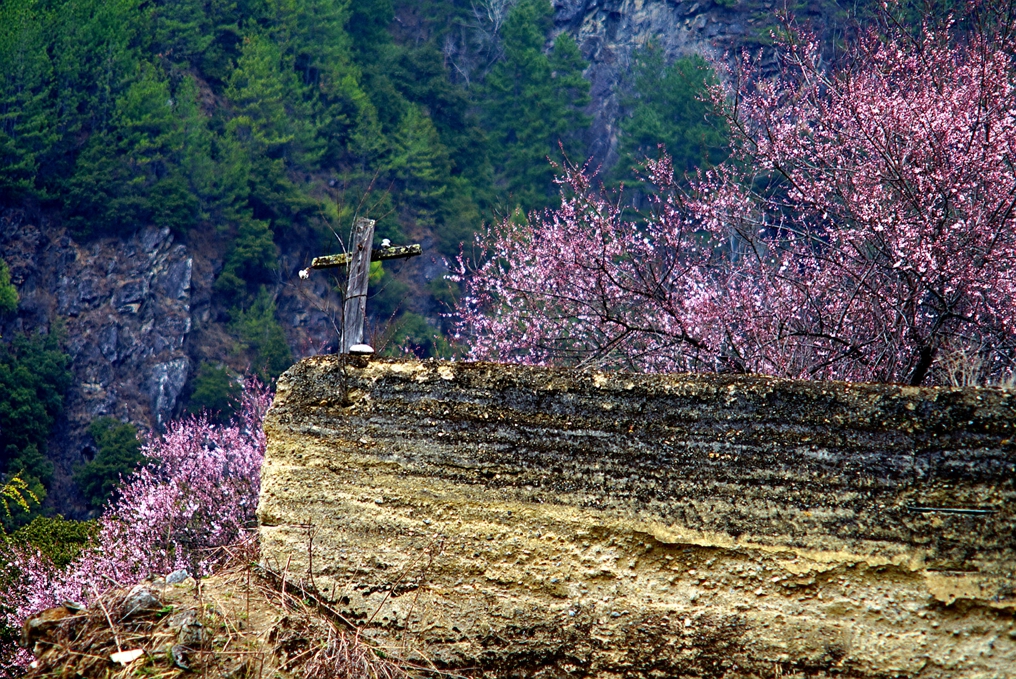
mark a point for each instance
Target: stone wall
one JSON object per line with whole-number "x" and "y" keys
{"x": 532, "y": 522}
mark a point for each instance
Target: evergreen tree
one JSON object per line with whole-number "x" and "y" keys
{"x": 421, "y": 77}
{"x": 262, "y": 337}
{"x": 26, "y": 111}
{"x": 118, "y": 453}
{"x": 368, "y": 27}
{"x": 216, "y": 393}
{"x": 183, "y": 30}
{"x": 95, "y": 47}
{"x": 668, "y": 105}
{"x": 313, "y": 34}
{"x": 532, "y": 103}
{"x": 33, "y": 378}
{"x": 236, "y": 113}
{"x": 132, "y": 174}
{"x": 251, "y": 262}
{"x": 273, "y": 127}
{"x": 421, "y": 161}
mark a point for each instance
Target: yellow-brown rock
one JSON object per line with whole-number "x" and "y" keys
{"x": 514, "y": 521}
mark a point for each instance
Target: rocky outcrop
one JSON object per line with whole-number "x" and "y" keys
{"x": 125, "y": 306}
{"x": 139, "y": 317}
{"x": 609, "y": 31}
{"x": 533, "y": 522}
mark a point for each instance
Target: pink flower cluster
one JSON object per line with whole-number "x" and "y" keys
{"x": 198, "y": 494}
{"x": 863, "y": 228}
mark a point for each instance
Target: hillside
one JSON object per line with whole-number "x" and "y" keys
{"x": 240, "y": 622}
{"x": 167, "y": 168}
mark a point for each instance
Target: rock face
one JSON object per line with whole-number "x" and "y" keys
{"x": 126, "y": 310}
{"x": 608, "y": 32}
{"x": 139, "y": 319}
{"x": 534, "y": 522}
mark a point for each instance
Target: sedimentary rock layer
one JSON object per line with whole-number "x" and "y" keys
{"x": 532, "y": 522}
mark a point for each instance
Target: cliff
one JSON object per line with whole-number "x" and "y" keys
{"x": 533, "y": 522}
{"x": 138, "y": 316}
{"x": 609, "y": 31}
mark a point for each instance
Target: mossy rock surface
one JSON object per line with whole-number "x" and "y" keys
{"x": 526, "y": 521}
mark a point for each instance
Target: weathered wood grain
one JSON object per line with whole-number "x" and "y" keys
{"x": 376, "y": 255}
{"x": 354, "y": 306}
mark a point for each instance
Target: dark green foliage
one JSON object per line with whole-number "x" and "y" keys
{"x": 58, "y": 539}
{"x": 251, "y": 262}
{"x": 533, "y": 102}
{"x": 387, "y": 298}
{"x": 215, "y": 392}
{"x": 414, "y": 335}
{"x": 667, "y": 105}
{"x": 33, "y": 379}
{"x": 273, "y": 127}
{"x": 8, "y": 293}
{"x": 269, "y": 120}
{"x": 421, "y": 162}
{"x": 368, "y": 25}
{"x": 31, "y": 466}
{"x": 26, "y": 130}
{"x": 118, "y": 453}
{"x": 262, "y": 337}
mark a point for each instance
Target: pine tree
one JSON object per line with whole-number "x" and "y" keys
{"x": 251, "y": 262}
{"x": 669, "y": 105}
{"x": 131, "y": 173}
{"x": 368, "y": 27}
{"x": 33, "y": 378}
{"x": 273, "y": 127}
{"x": 313, "y": 35}
{"x": 118, "y": 453}
{"x": 262, "y": 337}
{"x": 420, "y": 161}
{"x": 532, "y": 104}
{"x": 26, "y": 113}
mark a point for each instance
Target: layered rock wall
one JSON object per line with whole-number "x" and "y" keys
{"x": 533, "y": 522}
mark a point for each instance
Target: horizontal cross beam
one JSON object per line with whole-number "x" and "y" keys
{"x": 376, "y": 255}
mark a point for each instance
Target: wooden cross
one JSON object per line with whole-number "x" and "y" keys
{"x": 355, "y": 307}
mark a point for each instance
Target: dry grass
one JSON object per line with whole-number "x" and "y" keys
{"x": 241, "y": 623}
{"x": 960, "y": 365}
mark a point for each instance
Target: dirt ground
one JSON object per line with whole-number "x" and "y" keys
{"x": 241, "y": 623}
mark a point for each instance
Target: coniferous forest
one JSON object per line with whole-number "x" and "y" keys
{"x": 269, "y": 122}
{"x": 247, "y": 116}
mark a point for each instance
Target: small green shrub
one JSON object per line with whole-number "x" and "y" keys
{"x": 252, "y": 261}
{"x": 8, "y": 293}
{"x": 413, "y": 334}
{"x": 262, "y": 337}
{"x": 216, "y": 392}
{"x": 58, "y": 539}
{"x": 118, "y": 453}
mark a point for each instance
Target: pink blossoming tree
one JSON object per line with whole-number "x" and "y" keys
{"x": 864, "y": 228}
{"x": 198, "y": 494}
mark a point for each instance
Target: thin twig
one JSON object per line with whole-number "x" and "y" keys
{"x": 109, "y": 620}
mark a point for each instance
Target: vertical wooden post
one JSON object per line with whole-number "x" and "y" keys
{"x": 355, "y": 306}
